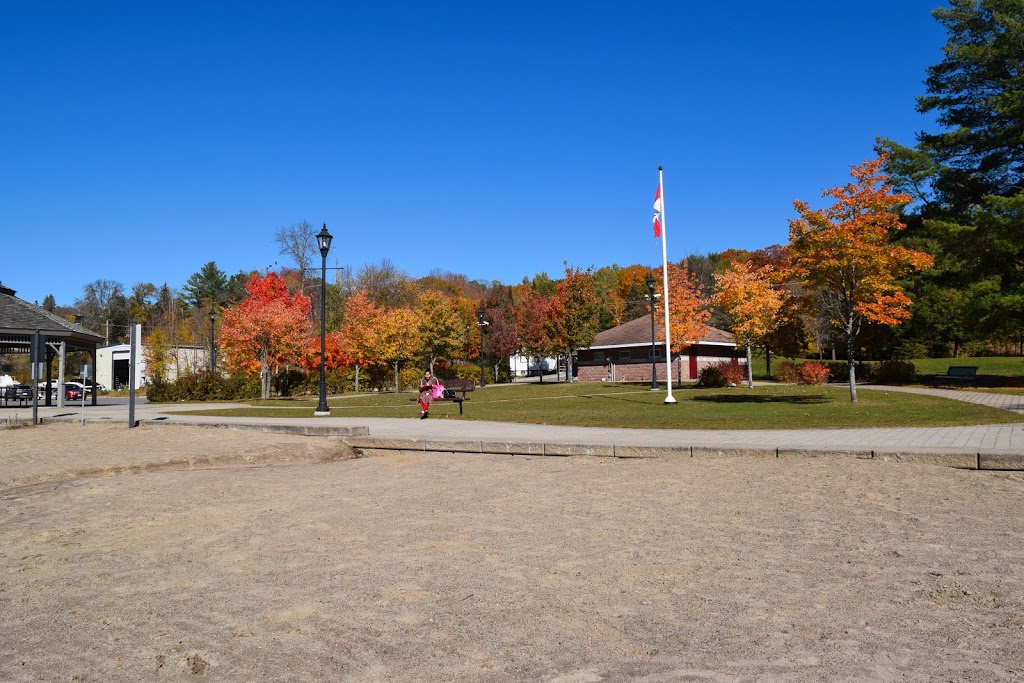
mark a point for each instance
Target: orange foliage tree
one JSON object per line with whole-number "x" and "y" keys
{"x": 336, "y": 353}
{"x": 689, "y": 310}
{"x": 361, "y": 316}
{"x": 747, "y": 296}
{"x": 269, "y": 328}
{"x": 845, "y": 254}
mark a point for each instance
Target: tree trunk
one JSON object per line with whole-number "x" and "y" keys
{"x": 357, "y": 378}
{"x": 852, "y": 364}
{"x": 397, "y": 363}
{"x": 264, "y": 380}
{"x": 768, "y": 361}
{"x": 540, "y": 369}
{"x": 750, "y": 368}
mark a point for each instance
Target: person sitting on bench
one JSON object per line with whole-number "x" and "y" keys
{"x": 426, "y": 393}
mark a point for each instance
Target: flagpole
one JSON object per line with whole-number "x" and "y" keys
{"x": 669, "y": 398}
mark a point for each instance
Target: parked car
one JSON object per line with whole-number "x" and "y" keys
{"x": 41, "y": 389}
{"x": 73, "y": 392}
{"x": 18, "y": 392}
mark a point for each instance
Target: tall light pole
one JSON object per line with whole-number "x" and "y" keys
{"x": 649, "y": 280}
{"x": 323, "y": 240}
{"x": 483, "y": 326}
{"x": 213, "y": 348}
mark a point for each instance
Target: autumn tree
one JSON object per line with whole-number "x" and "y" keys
{"x": 267, "y": 329}
{"x": 441, "y": 325}
{"x": 502, "y": 338}
{"x": 386, "y": 284}
{"x": 747, "y": 296}
{"x": 689, "y": 308}
{"x": 157, "y": 351}
{"x": 361, "y": 316}
{"x": 395, "y": 336}
{"x": 846, "y": 254}
{"x": 574, "y": 314}
{"x": 336, "y": 355}
{"x": 531, "y": 316}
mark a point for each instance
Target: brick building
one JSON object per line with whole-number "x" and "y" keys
{"x": 623, "y": 354}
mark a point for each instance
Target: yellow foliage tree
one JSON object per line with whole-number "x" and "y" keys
{"x": 747, "y": 296}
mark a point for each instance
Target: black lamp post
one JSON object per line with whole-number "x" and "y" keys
{"x": 213, "y": 348}
{"x": 323, "y": 240}
{"x": 483, "y": 326}
{"x": 654, "y": 354}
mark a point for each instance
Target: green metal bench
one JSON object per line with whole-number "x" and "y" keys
{"x": 959, "y": 375}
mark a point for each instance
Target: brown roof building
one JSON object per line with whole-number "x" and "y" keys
{"x": 623, "y": 354}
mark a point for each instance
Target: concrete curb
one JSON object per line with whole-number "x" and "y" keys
{"x": 981, "y": 460}
{"x": 297, "y": 429}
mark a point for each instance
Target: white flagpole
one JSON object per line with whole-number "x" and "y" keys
{"x": 669, "y": 398}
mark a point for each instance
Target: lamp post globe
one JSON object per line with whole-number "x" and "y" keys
{"x": 649, "y": 281}
{"x": 323, "y": 241}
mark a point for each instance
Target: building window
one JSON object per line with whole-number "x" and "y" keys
{"x": 625, "y": 354}
{"x": 598, "y": 356}
{"x": 659, "y": 352}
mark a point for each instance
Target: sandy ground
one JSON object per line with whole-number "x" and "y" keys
{"x": 490, "y": 568}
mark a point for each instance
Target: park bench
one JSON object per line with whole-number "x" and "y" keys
{"x": 453, "y": 387}
{"x": 958, "y": 374}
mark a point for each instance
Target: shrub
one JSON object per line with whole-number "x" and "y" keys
{"x": 840, "y": 370}
{"x": 204, "y": 386}
{"x": 723, "y": 374}
{"x": 896, "y": 372}
{"x": 813, "y": 372}
{"x": 788, "y": 372}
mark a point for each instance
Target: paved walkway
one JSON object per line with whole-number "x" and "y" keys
{"x": 992, "y": 438}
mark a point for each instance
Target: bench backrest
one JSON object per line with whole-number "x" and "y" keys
{"x": 460, "y": 385}
{"x": 962, "y": 370}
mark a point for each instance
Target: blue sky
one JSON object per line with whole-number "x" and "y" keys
{"x": 141, "y": 140}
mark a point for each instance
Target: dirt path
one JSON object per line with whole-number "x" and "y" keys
{"x": 490, "y": 568}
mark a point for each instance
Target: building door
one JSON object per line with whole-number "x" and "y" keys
{"x": 120, "y": 374}
{"x": 693, "y": 366}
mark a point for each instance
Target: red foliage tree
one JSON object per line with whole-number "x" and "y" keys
{"x": 267, "y": 329}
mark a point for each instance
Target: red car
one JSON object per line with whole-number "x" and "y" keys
{"x": 72, "y": 393}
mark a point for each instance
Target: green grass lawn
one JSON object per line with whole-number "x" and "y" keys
{"x": 1001, "y": 374}
{"x": 620, "y": 405}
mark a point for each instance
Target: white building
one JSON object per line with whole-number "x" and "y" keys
{"x": 521, "y": 366}
{"x": 113, "y": 364}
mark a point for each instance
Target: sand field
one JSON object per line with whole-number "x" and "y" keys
{"x": 173, "y": 553}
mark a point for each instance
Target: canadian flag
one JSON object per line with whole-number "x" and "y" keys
{"x": 657, "y": 212}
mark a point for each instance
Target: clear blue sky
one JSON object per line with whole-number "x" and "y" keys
{"x": 139, "y": 140}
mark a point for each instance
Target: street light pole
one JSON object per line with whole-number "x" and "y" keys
{"x": 649, "y": 280}
{"x": 213, "y": 348}
{"x": 483, "y": 325}
{"x": 323, "y": 240}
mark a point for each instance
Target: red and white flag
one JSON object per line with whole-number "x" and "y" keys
{"x": 657, "y": 212}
